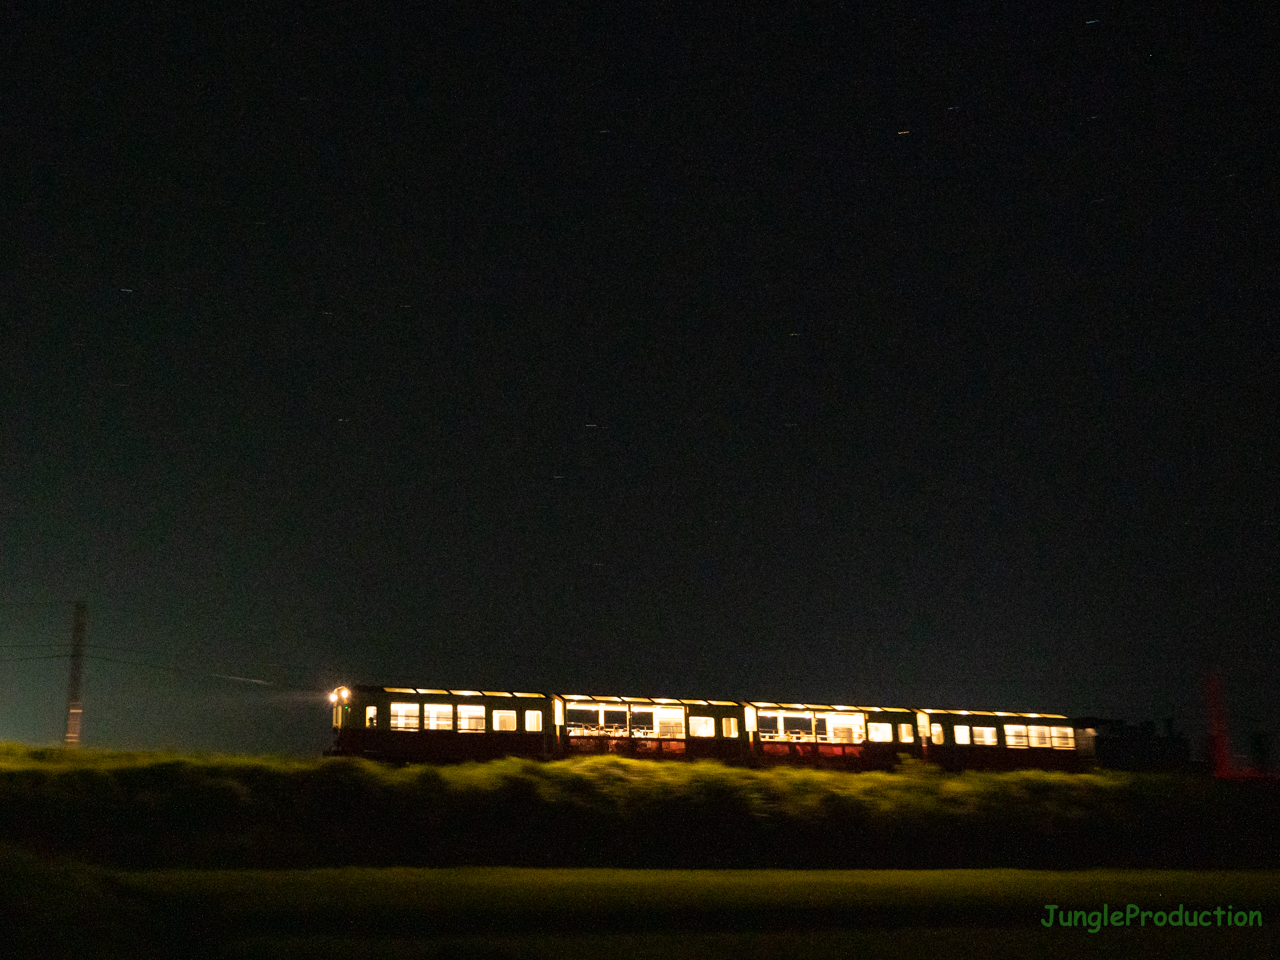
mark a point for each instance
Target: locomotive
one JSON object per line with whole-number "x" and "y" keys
{"x": 433, "y": 725}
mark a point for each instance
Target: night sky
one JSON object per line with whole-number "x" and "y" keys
{"x": 896, "y": 353}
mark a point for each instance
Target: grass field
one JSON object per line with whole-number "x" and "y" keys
{"x": 150, "y": 811}
{"x": 528, "y": 913}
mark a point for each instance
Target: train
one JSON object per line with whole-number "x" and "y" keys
{"x": 404, "y": 724}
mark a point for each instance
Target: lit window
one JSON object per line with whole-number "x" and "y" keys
{"x": 729, "y": 727}
{"x": 936, "y": 734}
{"x": 470, "y": 719}
{"x": 905, "y": 733}
{"x": 880, "y": 732}
{"x": 961, "y": 735}
{"x": 670, "y": 722}
{"x": 702, "y": 727}
{"x": 370, "y": 716}
{"x": 751, "y": 719}
{"x": 1015, "y": 736}
{"x": 437, "y": 716}
{"x": 1039, "y": 736}
{"x": 404, "y": 716}
{"x": 533, "y": 721}
{"x": 985, "y": 736}
{"x": 1064, "y": 738}
{"x": 842, "y": 727}
{"x": 504, "y": 719}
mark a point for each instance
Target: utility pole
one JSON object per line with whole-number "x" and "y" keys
{"x": 79, "y": 625}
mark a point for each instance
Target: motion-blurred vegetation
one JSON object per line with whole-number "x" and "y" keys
{"x": 140, "y": 810}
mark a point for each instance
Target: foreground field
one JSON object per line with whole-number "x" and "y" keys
{"x": 146, "y": 811}
{"x": 510, "y": 913}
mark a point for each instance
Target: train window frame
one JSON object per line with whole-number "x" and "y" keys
{"x": 402, "y": 712}
{"x": 937, "y": 733}
{"x": 468, "y": 714}
{"x": 371, "y": 717}
{"x": 1015, "y": 736}
{"x": 1062, "y": 738}
{"x": 501, "y": 717}
{"x": 906, "y": 733}
{"x": 986, "y": 736}
{"x": 702, "y": 726}
{"x": 962, "y": 735}
{"x": 673, "y": 726}
{"x": 880, "y": 732}
{"x": 533, "y": 721}
{"x": 1038, "y": 737}
{"x": 729, "y": 727}
{"x": 437, "y": 716}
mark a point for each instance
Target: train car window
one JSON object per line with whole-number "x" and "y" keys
{"x": 437, "y": 716}
{"x": 404, "y": 716}
{"x": 1015, "y": 736}
{"x": 750, "y": 716}
{"x": 370, "y": 716}
{"x": 844, "y": 728}
{"x": 905, "y": 733}
{"x": 936, "y": 733}
{"x": 729, "y": 727}
{"x": 1064, "y": 738}
{"x": 962, "y": 735}
{"x": 533, "y": 721}
{"x": 702, "y": 726}
{"x": 642, "y": 722}
{"x": 1039, "y": 736}
{"x": 985, "y": 736}
{"x": 798, "y": 727}
{"x": 769, "y": 725}
{"x": 880, "y": 732}
{"x": 670, "y": 723}
{"x": 470, "y": 718}
{"x": 504, "y": 719}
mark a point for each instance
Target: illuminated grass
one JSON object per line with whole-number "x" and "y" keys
{"x": 153, "y": 810}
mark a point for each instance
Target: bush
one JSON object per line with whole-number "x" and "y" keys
{"x": 151, "y": 810}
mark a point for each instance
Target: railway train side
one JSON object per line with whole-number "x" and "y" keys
{"x": 431, "y": 725}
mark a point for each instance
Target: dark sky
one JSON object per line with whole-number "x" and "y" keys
{"x": 900, "y": 353}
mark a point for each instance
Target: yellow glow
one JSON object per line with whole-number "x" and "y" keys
{"x": 495, "y": 693}
{"x": 664, "y": 700}
{"x": 723, "y": 703}
{"x": 636, "y": 700}
{"x": 400, "y": 689}
{"x": 961, "y": 735}
{"x": 751, "y": 719}
{"x": 695, "y": 703}
{"x": 559, "y": 713}
{"x": 985, "y": 736}
{"x": 1015, "y": 736}
{"x": 333, "y": 698}
{"x": 880, "y": 732}
{"x": 541, "y": 695}
{"x": 465, "y": 693}
{"x": 702, "y": 727}
{"x": 763, "y": 703}
{"x": 428, "y": 690}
